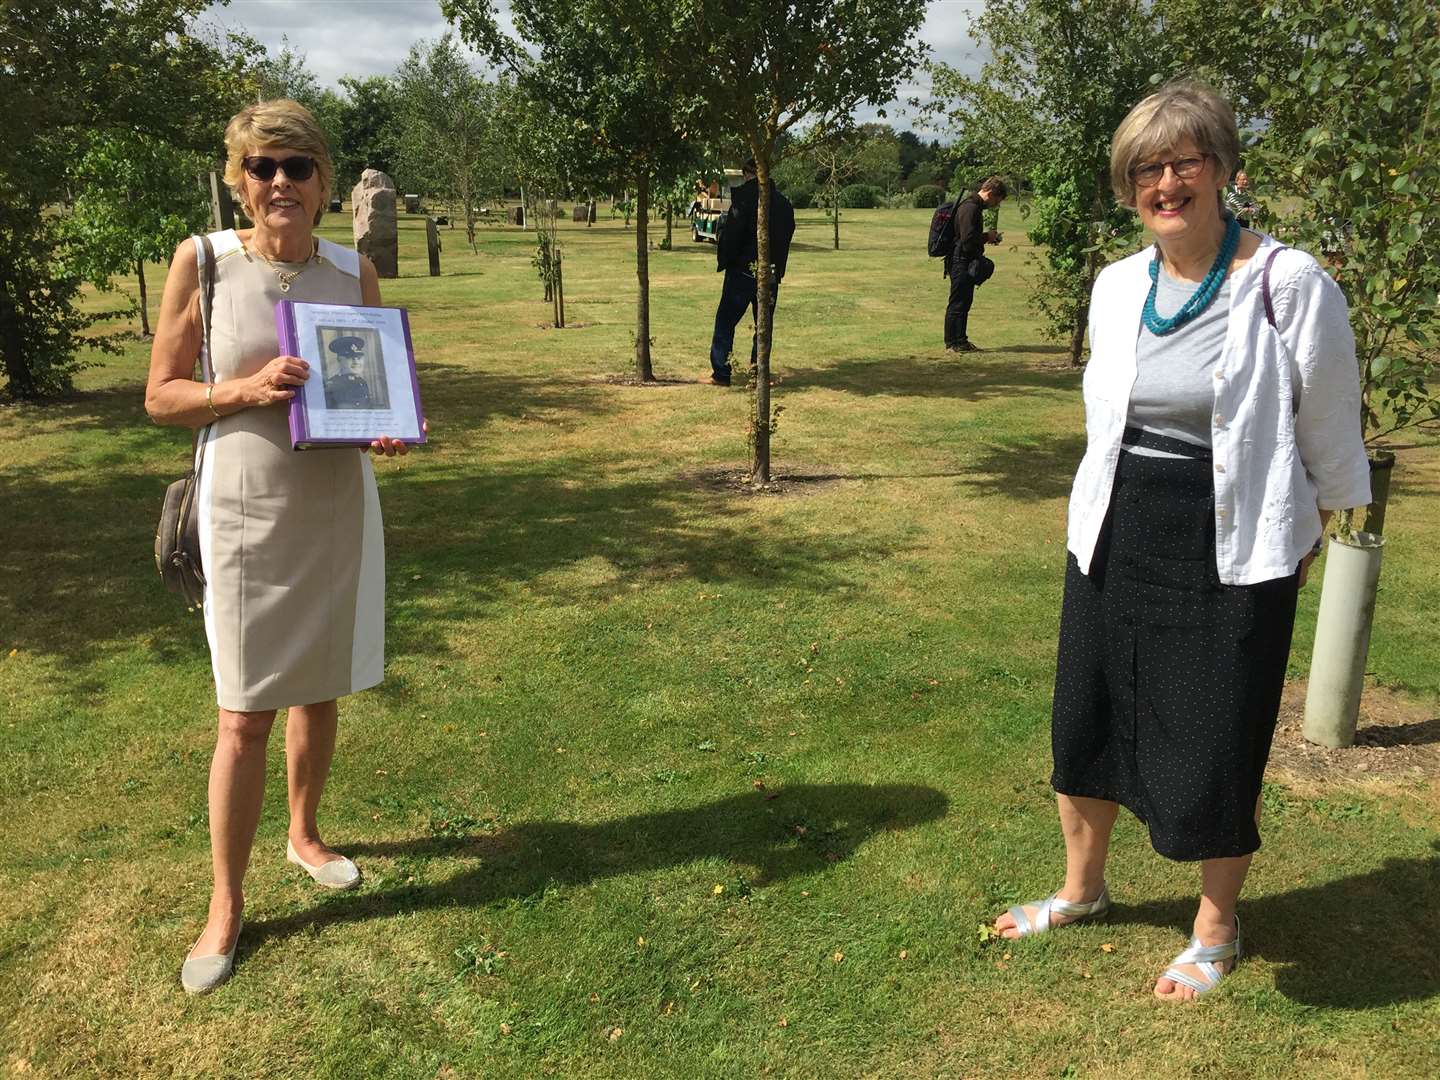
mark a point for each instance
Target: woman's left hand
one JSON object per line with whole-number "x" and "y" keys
{"x": 390, "y": 447}
{"x": 1305, "y": 567}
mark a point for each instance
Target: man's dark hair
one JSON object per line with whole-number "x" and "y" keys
{"x": 995, "y": 184}
{"x": 749, "y": 166}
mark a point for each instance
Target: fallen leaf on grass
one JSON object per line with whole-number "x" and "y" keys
{"x": 718, "y": 890}
{"x": 505, "y": 1029}
{"x": 614, "y": 1033}
{"x": 904, "y": 954}
{"x": 1107, "y": 947}
{"x": 594, "y": 998}
{"x": 784, "y": 1022}
{"x": 759, "y": 785}
{"x": 987, "y": 932}
{"x": 838, "y": 956}
{"x": 640, "y": 941}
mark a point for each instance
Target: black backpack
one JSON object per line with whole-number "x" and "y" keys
{"x": 942, "y": 230}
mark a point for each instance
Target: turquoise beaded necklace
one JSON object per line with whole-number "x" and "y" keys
{"x": 1202, "y": 297}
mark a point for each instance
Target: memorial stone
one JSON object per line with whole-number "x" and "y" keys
{"x": 515, "y": 215}
{"x": 432, "y": 243}
{"x": 412, "y": 204}
{"x": 376, "y": 230}
{"x": 336, "y": 206}
{"x": 580, "y": 213}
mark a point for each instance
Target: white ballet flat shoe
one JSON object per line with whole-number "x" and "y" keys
{"x": 201, "y": 974}
{"x": 338, "y": 873}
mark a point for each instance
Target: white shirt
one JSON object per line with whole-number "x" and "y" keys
{"x": 1285, "y": 428}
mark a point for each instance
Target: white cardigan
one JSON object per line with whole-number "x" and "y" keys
{"x": 1286, "y": 427}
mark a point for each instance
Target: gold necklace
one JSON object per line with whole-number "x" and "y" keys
{"x": 287, "y": 276}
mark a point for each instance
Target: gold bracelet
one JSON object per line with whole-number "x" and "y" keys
{"x": 210, "y": 399}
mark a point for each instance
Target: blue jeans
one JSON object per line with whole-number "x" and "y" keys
{"x": 737, "y": 295}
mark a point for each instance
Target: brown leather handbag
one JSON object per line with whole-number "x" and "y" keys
{"x": 177, "y": 539}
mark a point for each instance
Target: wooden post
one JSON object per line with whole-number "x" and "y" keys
{"x": 432, "y": 242}
{"x": 222, "y": 210}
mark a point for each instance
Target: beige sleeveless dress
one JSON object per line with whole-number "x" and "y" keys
{"x": 292, "y": 542}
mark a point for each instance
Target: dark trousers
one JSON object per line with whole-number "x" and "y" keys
{"x": 737, "y": 295}
{"x": 957, "y": 311}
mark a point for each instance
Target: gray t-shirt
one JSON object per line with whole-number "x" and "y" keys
{"x": 1174, "y": 392}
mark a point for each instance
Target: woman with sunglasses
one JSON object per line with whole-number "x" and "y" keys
{"x": 292, "y": 544}
{"x": 1222, "y": 413}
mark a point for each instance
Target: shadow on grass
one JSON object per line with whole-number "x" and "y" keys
{"x": 967, "y": 380}
{"x": 1358, "y": 942}
{"x": 80, "y": 574}
{"x": 1033, "y": 469}
{"x": 801, "y": 830}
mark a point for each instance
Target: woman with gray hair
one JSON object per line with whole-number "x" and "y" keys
{"x": 291, "y": 542}
{"x": 1222, "y": 416}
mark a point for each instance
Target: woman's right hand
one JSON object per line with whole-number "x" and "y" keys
{"x": 275, "y": 382}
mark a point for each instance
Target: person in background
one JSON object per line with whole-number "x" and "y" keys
{"x": 967, "y": 266}
{"x": 1240, "y": 201}
{"x": 735, "y": 254}
{"x": 1222, "y": 418}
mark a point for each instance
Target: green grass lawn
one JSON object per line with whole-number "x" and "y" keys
{"x": 668, "y": 779}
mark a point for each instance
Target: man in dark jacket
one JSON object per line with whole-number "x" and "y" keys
{"x": 736, "y": 251}
{"x": 964, "y": 260}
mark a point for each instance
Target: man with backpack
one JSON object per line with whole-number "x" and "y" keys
{"x": 958, "y": 236}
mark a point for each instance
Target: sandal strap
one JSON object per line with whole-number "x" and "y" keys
{"x": 1212, "y": 974}
{"x": 1207, "y": 954}
{"x": 1052, "y": 904}
{"x": 1072, "y": 909}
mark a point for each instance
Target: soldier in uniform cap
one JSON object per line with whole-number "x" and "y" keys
{"x": 347, "y": 389}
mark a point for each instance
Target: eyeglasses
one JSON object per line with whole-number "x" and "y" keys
{"x": 1148, "y": 173}
{"x": 298, "y": 169}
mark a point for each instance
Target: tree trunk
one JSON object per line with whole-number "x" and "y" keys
{"x": 669, "y": 226}
{"x": 559, "y": 291}
{"x": 760, "y": 421}
{"x": 1092, "y": 267}
{"x": 628, "y": 207}
{"x": 835, "y": 210}
{"x": 144, "y": 298}
{"x": 643, "y": 369}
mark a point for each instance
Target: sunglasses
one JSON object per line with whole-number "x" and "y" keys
{"x": 1148, "y": 173}
{"x": 298, "y": 169}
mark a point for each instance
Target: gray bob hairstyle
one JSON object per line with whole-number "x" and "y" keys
{"x": 1180, "y": 110}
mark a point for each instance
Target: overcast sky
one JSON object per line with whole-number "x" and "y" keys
{"x": 371, "y": 37}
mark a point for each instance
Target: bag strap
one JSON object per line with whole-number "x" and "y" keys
{"x": 205, "y": 360}
{"x": 1265, "y": 288}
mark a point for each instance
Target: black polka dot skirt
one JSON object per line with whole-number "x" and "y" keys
{"x": 1168, "y": 683}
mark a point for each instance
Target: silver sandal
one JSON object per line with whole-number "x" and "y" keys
{"x": 1052, "y": 904}
{"x": 1207, "y": 958}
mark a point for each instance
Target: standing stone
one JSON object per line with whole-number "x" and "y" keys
{"x": 412, "y": 204}
{"x": 222, "y": 210}
{"x": 336, "y": 206}
{"x": 515, "y": 215}
{"x": 581, "y": 213}
{"x": 376, "y": 232}
{"x": 432, "y": 242}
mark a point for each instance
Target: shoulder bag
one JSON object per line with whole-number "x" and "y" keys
{"x": 177, "y": 538}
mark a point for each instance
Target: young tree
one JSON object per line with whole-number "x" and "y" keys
{"x": 448, "y": 137}
{"x": 601, "y": 66}
{"x": 1349, "y": 162}
{"x": 71, "y": 70}
{"x": 1061, "y": 76}
{"x": 841, "y": 153}
{"x": 760, "y": 67}
{"x": 139, "y": 197}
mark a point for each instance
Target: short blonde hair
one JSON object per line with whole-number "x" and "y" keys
{"x": 278, "y": 122}
{"x": 1180, "y": 110}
